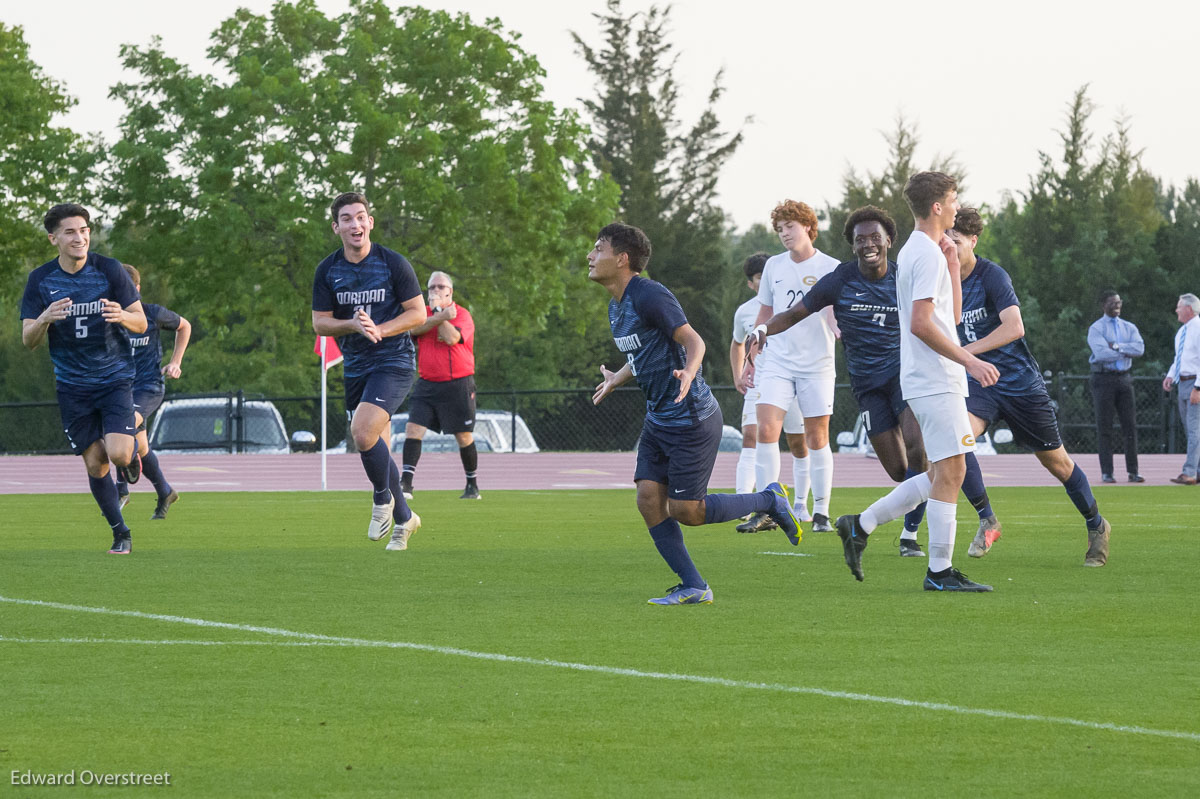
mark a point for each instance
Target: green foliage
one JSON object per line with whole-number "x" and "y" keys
{"x": 225, "y": 182}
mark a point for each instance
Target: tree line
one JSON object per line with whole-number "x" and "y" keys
{"x": 218, "y": 184}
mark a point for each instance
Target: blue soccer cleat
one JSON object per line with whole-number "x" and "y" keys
{"x": 854, "y": 541}
{"x": 783, "y": 515}
{"x": 684, "y": 595}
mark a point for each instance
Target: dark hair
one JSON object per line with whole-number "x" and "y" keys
{"x": 968, "y": 222}
{"x": 869, "y": 213}
{"x": 1104, "y": 295}
{"x": 755, "y": 264}
{"x": 926, "y": 188}
{"x": 629, "y": 240}
{"x": 133, "y": 273}
{"x": 348, "y": 198}
{"x": 64, "y": 211}
{"x": 798, "y": 212}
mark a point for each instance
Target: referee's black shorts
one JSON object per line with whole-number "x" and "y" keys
{"x": 445, "y": 407}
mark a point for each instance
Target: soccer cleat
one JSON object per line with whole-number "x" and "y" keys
{"x": 782, "y": 514}
{"x": 122, "y": 544}
{"x": 757, "y": 523}
{"x": 801, "y": 510}
{"x": 909, "y": 548}
{"x": 684, "y": 595}
{"x": 381, "y": 520}
{"x": 402, "y": 532}
{"x": 1107, "y": 478}
{"x": 122, "y": 501}
{"x": 989, "y": 533}
{"x": 821, "y": 523}
{"x": 1097, "y": 553}
{"x": 1136, "y": 478}
{"x": 133, "y": 472}
{"x": 952, "y": 580}
{"x": 854, "y": 541}
{"x": 406, "y": 489}
{"x": 471, "y": 492}
{"x": 164, "y": 504}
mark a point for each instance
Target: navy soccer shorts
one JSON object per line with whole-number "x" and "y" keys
{"x": 881, "y": 407}
{"x": 385, "y": 388}
{"x": 89, "y": 414}
{"x": 1030, "y": 416}
{"x": 681, "y": 458}
{"x": 445, "y": 406}
{"x": 146, "y": 402}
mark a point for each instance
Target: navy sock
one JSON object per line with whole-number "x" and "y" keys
{"x": 105, "y": 492}
{"x": 669, "y": 540}
{"x": 1080, "y": 492}
{"x": 412, "y": 454}
{"x": 727, "y": 507}
{"x": 912, "y": 519}
{"x": 153, "y": 472}
{"x": 400, "y": 511}
{"x": 470, "y": 461}
{"x": 375, "y": 461}
{"x": 122, "y": 487}
{"x": 974, "y": 489}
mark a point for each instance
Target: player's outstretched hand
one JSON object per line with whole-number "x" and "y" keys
{"x": 606, "y": 385}
{"x": 57, "y": 310}
{"x": 171, "y": 370}
{"x": 111, "y": 311}
{"x": 685, "y": 383}
{"x": 367, "y": 326}
{"x": 984, "y": 372}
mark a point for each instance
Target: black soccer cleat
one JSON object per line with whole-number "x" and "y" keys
{"x": 952, "y": 580}
{"x": 909, "y": 548}
{"x": 164, "y": 504}
{"x": 820, "y": 523}
{"x": 133, "y": 472}
{"x": 471, "y": 492}
{"x": 854, "y": 541}
{"x": 122, "y": 544}
{"x": 757, "y": 523}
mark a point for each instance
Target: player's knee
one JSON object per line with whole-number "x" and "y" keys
{"x": 896, "y": 471}
{"x": 689, "y": 512}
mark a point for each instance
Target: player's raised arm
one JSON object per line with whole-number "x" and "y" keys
{"x": 411, "y": 317}
{"x": 131, "y": 317}
{"x": 34, "y": 330}
{"x": 611, "y": 381}
{"x": 1011, "y": 328}
{"x": 183, "y": 335}
{"x": 924, "y": 328}
{"x": 687, "y": 337}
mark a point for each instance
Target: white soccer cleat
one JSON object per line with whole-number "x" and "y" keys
{"x": 402, "y": 532}
{"x": 381, "y": 520}
{"x": 802, "y": 513}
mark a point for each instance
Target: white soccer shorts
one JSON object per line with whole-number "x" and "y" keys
{"x": 814, "y": 395}
{"x": 945, "y": 425}
{"x": 793, "y": 421}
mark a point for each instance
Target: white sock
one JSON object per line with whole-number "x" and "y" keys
{"x": 903, "y": 498}
{"x": 745, "y": 471}
{"x": 801, "y": 481}
{"x": 908, "y": 535}
{"x": 943, "y": 523}
{"x": 766, "y": 464}
{"x": 822, "y": 478}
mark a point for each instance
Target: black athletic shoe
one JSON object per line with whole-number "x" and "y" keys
{"x": 133, "y": 472}
{"x": 471, "y": 492}
{"x": 820, "y": 523}
{"x": 122, "y": 544}
{"x": 757, "y": 524}
{"x": 406, "y": 489}
{"x": 854, "y": 541}
{"x": 1107, "y": 478}
{"x": 952, "y": 580}
{"x": 909, "y": 548}
{"x": 164, "y": 504}
{"x": 1136, "y": 478}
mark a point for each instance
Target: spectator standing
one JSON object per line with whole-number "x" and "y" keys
{"x": 1114, "y": 342}
{"x": 1183, "y": 373}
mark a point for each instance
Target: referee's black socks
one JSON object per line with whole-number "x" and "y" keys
{"x": 470, "y": 460}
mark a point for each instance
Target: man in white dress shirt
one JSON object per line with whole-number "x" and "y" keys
{"x": 1183, "y": 373}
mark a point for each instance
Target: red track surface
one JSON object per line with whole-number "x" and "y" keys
{"x": 45, "y": 474}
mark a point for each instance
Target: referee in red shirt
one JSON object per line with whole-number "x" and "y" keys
{"x": 444, "y": 397}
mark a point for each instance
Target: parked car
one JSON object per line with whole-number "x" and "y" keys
{"x": 493, "y": 433}
{"x": 856, "y": 440}
{"x": 731, "y": 440}
{"x": 213, "y": 424}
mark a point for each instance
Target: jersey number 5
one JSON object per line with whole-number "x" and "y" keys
{"x": 80, "y": 327}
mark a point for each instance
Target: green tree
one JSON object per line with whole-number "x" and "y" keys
{"x": 224, "y": 179}
{"x": 667, "y": 172}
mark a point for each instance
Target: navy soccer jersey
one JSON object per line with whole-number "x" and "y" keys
{"x": 986, "y": 292}
{"x": 147, "y": 347}
{"x": 86, "y": 350}
{"x": 642, "y": 323}
{"x": 869, "y": 318}
{"x": 379, "y": 284}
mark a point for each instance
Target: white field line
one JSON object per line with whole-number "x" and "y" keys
{"x": 789, "y": 554}
{"x": 317, "y": 639}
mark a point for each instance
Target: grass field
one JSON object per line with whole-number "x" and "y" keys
{"x": 340, "y": 669}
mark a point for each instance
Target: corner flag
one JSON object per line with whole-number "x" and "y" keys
{"x": 331, "y": 353}
{"x": 327, "y": 348}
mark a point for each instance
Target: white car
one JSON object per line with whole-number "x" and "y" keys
{"x": 856, "y": 440}
{"x": 204, "y": 425}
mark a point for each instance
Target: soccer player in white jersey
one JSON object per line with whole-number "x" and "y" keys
{"x": 797, "y": 364}
{"x": 793, "y": 423}
{"x": 933, "y": 377}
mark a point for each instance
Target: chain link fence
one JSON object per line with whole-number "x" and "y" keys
{"x": 557, "y": 420}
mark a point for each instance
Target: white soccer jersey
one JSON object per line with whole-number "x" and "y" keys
{"x": 743, "y": 319}
{"x": 923, "y": 275}
{"x": 804, "y": 349}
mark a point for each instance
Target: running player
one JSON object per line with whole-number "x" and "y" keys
{"x": 933, "y": 377}
{"x": 992, "y": 328}
{"x": 86, "y": 305}
{"x": 369, "y": 297}
{"x": 149, "y": 387}
{"x": 682, "y": 431}
{"x": 793, "y": 422}
{"x": 862, "y": 294}
{"x": 799, "y": 363}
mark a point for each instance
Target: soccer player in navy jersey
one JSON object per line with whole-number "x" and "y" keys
{"x": 682, "y": 431}
{"x": 862, "y": 293}
{"x": 86, "y": 306}
{"x": 369, "y": 298}
{"x": 992, "y": 329}
{"x": 149, "y": 387}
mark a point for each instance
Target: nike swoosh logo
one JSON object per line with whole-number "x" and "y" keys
{"x": 469, "y": 421}
{"x": 859, "y": 293}
{"x": 935, "y": 585}
{"x": 678, "y": 490}
{"x": 379, "y": 399}
{"x": 779, "y": 281}
{"x": 56, "y": 291}
{"x": 128, "y": 428}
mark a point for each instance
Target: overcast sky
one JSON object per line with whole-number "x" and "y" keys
{"x": 988, "y": 82}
